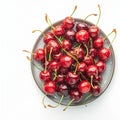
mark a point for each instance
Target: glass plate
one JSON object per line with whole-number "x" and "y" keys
{"x": 107, "y": 75}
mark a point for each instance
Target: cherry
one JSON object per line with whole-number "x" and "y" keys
{"x": 84, "y": 86}
{"x": 93, "y": 52}
{"x": 81, "y": 26}
{"x": 66, "y": 44}
{"x": 88, "y": 60}
{"x": 70, "y": 34}
{"x": 65, "y": 61}
{"x": 48, "y": 36}
{"x": 63, "y": 70}
{"x": 62, "y": 89}
{"x": 59, "y": 30}
{"x": 53, "y": 65}
{"x": 72, "y": 78}
{"x": 60, "y": 78}
{"x": 104, "y": 54}
{"x": 98, "y": 43}
{"x": 54, "y": 45}
{"x": 98, "y": 79}
{"x": 82, "y": 36}
{"x": 45, "y": 75}
{"x": 93, "y": 31}
{"x": 57, "y": 56}
{"x": 92, "y": 70}
{"x": 49, "y": 87}
{"x": 96, "y": 90}
{"x": 101, "y": 66}
{"x": 82, "y": 67}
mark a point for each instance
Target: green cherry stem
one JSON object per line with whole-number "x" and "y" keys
{"x": 99, "y": 15}
{"x": 91, "y": 81}
{"x": 91, "y": 43}
{"x": 86, "y": 49}
{"x": 73, "y": 11}
{"x": 43, "y": 101}
{"x": 39, "y": 31}
{"x": 29, "y": 52}
{"x": 45, "y": 58}
{"x": 90, "y": 16}
{"x": 55, "y": 74}
{"x": 50, "y": 57}
{"x": 89, "y": 96}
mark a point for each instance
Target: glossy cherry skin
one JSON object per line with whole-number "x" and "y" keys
{"x": 39, "y": 55}
{"x": 92, "y": 70}
{"x": 76, "y": 95}
{"x": 57, "y": 56}
{"x": 93, "y": 31}
{"x": 54, "y": 45}
{"x": 49, "y": 88}
{"x": 84, "y": 86}
{"x": 104, "y": 54}
{"x": 79, "y": 53}
{"x": 48, "y": 36}
{"x": 98, "y": 79}
{"x": 101, "y": 66}
{"x": 81, "y": 26}
{"x": 63, "y": 70}
{"x": 96, "y": 90}
{"x": 53, "y": 65}
{"x": 45, "y": 75}
{"x": 60, "y": 78}
{"x": 66, "y": 61}
{"x": 72, "y": 78}
{"x": 70, "y": 34}
{"x": 63, "y": 89}
{"x": 93, "y": 52}
{"x": 88, "y": 60}
{"x": 68, "y": 23}
{"x": 66, "y": 44}
{"x": 59, "y": 30}
{"x": 98, "y": 43}
{"x": 82, "y": 36}
{"x": 82, "y": 67}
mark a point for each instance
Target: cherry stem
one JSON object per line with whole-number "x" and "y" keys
{"x": 55, "y": 74}
{"x": 58, "y": 103}
{"x": 91, "y": 43}
{"x": 91, "y": 81}
{"x": 99, "y": 14}
{"x": 39, "y": 31}
{"x": 50, "y": 58}
{"x": 95, "y": 61}
{"x": 73, "y": 11}
{"x": 86, "y": 49}
{"x": 90, "y": 95}
{"x": 29, "y": 52}
{"x": 45, "y": 59}
{"x": 83, "y": 76}
{"x": 69, "y": 103}
{"x": 90, "y": 16}
{"x": 33, "y": 63}
{"x": 43, "y": 101}
{"x": 76, "y": 69}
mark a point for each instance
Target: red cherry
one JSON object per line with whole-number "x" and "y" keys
{"x": 84, "y": 86}
{"x": 98, "y": 78}
{"x": 66, "y": 44}
{"x": 60, "y": 78}
{"x": 104, "y": 54}
{"x": 81, "y": 26}
{"x": 68, "y": 23}
{"x": 93, "y": 52}
{"x": 39, "y": 55}
{"x": 59, "y": 30}
{"x": 82, "y": 67}
{"x": 82, "y": 36}
{"x": 50, "y": 88}
{"x": 96, "y": 90}
{"x": 45, "y": 75}
{"x": 72, "y": 78}
{"x": 53, "y": 65}
{"x": 57, "y": 56}
{"x": 88, "y": 60}
{"x": 98, "y": 43}
{"x": 70, "y": 34}
{"x": 101, "y": 66}
{"x": 48, "y": 36}
{"x": 65, "y": 61}
{"x": 93, "y": 31}
{"x": 63, "y": 70}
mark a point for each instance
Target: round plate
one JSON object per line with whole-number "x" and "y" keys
{"x": 107, "y": 75}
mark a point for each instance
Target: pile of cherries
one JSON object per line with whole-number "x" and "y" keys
{"x": 73, "y": 58}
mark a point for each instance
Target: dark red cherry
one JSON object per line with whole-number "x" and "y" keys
{"x": 60, "y": 78}
{"x": 93, "y": 52}
{"x": 66, "y": 44}
{"x": 49, "y": 87}
{"x": 62, "y": 89}
{"x": 82, "y": 67}
{"x": 98, "y": 43}
{"x": 63, "y": 70}
{"x": 54, "y": 45}
{"x": 92, "y": 70}
{"x": 88, "y": 60}
{"x": 96, "y": 90}
{"x": 82, "y": 36}
{"x": 93, "y": 31}
{"x": 65, "y": 61}
{"x": 53, "y": 65}
{"x": 84, "y": 86}
{"x": 57, "y": 56}
{"x": 39, "y": 55}
{"x": 48, "y": 36}
{"x": 104, "y": 54}
{"x": 45, "y": 75}
{"x": 68, "y": 23}
{"x": 59, "y": 30}
{"x": 98, "y": 78}
{"x": 101, "y": 66}
{"x": 72, "y": 78}
{"x": 81, "y": 26}
{"x": 70, "y": 34}
{"x": 75, "y": 95}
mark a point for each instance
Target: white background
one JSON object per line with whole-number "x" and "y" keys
{"x": 20, "y": 98}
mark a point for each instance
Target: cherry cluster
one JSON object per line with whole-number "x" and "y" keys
{"x": 74, "y": 58}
